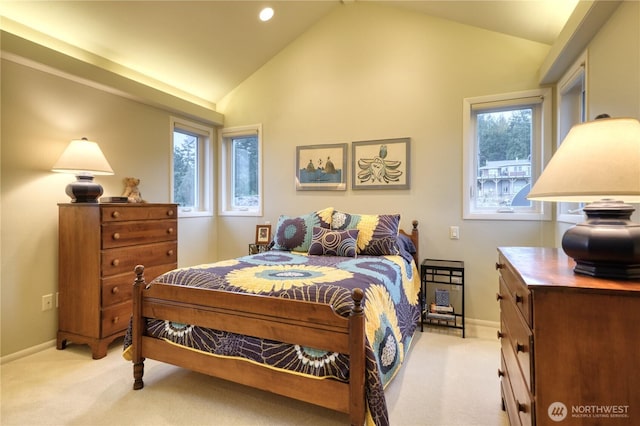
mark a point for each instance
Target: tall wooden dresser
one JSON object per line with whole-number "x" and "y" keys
{"x": 99, "y": 246}
{"x": 570, "y": 343}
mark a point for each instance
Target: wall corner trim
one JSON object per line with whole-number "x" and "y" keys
{"x": 583, "y": 24}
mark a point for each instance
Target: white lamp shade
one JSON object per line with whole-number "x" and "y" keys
{"x": 598, "y": 159}
{"x": 83, "y": 157}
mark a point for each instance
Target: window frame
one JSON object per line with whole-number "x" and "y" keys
{"x": 226, "y": 136}
{"x": 204, "y": 192}
{"x": 540, "y": 150}
{"x": 571, "y": 110}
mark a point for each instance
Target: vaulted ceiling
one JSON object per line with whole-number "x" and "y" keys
{"x": 206, "y": 48}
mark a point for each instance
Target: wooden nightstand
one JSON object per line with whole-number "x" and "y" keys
{"x": 99, "y": 246}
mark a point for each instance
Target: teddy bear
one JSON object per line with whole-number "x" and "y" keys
{"x": 131, "y": 190}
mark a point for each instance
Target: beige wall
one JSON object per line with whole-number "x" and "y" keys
{"x": 370, "y": 72}
{"x": 364, "y": 72}
{"x": 613, "y": 85}
{"x": 41, "y": 113}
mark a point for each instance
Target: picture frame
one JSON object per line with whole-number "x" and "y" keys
{"x": 263, "y": 234}
{"x": 381, "y": 164}
{"x": 321, "y": 167}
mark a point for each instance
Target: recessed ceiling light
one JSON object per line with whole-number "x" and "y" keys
{"x": 266, "y": 14}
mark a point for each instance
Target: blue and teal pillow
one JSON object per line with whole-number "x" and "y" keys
{"x": 326, "y": 242}
{"x": 294, "y": 233}
{"x": 377, "y": 234}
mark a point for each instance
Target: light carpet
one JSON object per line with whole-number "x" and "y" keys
{"x": 446, "y": 380}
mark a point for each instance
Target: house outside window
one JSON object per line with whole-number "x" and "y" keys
{"x": 241, "y": 171}
{"x": 191, "y": 166}
{"x": 506, "y": 139}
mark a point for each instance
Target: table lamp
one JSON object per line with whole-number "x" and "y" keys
{"x": 84, "y": 159}
{"x": 598, "y": 162}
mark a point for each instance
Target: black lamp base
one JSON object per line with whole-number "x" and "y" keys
{"x": 607, "y": 244}
{"x": 84, "y": 190}
{"x": 623, "y": 272}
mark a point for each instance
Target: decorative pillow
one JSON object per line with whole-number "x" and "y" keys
{"x": 294, "y": 232}
{"x": 406, "y": 246}
{"x": 334, "y": 243}
{"x": 377, "y": 233}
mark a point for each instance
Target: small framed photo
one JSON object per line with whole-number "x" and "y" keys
{"x": 263, "y": 234}
{"x": 381, "y": 164}
{"x": 321, "y": 167}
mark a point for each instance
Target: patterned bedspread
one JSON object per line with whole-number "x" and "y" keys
{"x": 391, "y": 307}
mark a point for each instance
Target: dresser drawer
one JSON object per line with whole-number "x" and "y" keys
{"x": 124, "y": 259}
{"x": 519, "y": 337}
{"x": 116, "y": 289}
{"x": 126, "y": 212}
{"x": 508, "y": 399}
{"x": 122, "y": 234}
{"x": 518, "y": 291}
{"x": 119, "y": 288}
{"x": 115, "y": 318}
{"x": 522, "y": 404}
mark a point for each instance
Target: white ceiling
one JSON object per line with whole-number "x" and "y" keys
{"x": 206, "y": 48}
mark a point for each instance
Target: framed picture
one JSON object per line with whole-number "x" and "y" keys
{"x": 381, "y": 164}
{"x": 263, "y": 234}
{"x": 321, "y": 167}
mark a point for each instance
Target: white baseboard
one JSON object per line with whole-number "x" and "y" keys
{"x": 481, "y": 329}
{"x": 26, "y": 352}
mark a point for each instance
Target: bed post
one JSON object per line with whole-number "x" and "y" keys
{"x": 357, "y": 359}
{"x": 415, "y": 237}
{"x": 137, "y": 328}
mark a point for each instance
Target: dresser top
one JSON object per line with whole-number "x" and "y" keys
{"x": 551, "y": 267}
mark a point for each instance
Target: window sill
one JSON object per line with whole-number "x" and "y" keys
{"x": 240, "y": 213}
{"x": 187, "y": 214}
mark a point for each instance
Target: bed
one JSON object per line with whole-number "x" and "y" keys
{"x": 326, "y": 316}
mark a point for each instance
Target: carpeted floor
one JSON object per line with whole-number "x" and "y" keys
{"x": 446, "y": 380}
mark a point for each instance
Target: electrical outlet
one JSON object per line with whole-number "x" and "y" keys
{"x": 47, "y": 302}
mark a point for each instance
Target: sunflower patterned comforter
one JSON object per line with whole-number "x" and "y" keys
{"x": 390, "y": 284}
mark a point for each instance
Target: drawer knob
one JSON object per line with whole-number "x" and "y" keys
{"x": 116, "y": 236}
{"x": 169, "y": 252}
{"x": 115, "y": 262}
{"x": 169, "y": 212}
{"x": 519, "y": 298}
{"x": 115, "y": 290}
{"x": 519, "y": 347}
{"x": 498, "y": 297}
{"x": 115, "y": 320}
{"x": 500, "y": 373}
{"x": 170, "y": 231}
{"x": 499, "y": 266}
{"x": 115, "y": 214}
{"x": 500, "y": 335}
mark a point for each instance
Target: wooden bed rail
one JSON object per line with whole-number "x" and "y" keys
{"x": 298, "y": 322}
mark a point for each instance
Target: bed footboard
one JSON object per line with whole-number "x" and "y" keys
{"x": 290, "y": 321}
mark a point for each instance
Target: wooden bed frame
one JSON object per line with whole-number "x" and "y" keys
{"x": 304, "y": 323}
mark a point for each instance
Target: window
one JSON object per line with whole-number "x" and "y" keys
{"x": 505, "y": 137}
{"x": 572, "y": 110}
{"x": 241, "y": 169}
{"x": 191, "y": 165}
